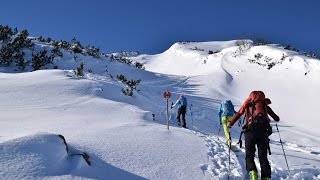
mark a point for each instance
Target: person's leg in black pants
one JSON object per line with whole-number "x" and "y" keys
{"x": 178, "y": 116}
{"x": 250, "y": 143}
{"x": 183, "y": 113}
{"x": 262, "y": 145}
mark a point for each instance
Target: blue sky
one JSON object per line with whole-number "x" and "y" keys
{"x": 152, "y": 26}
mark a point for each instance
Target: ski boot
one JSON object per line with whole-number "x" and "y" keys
{"x": 253, "y": 175}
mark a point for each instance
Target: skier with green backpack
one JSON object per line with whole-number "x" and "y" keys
{"x": 257, "y": 130}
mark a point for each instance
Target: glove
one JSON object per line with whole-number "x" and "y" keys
{"x": 229, "y": 126}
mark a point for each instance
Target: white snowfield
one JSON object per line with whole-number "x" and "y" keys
{"x": 118, "y": 132}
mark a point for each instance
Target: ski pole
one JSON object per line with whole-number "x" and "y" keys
{"x": 240, "y": 140}
{"x": 168, "y": 114}
{"x": 229, "y": 164}
{"x": 191, "y": 114}
{"x": 229, "y": 145}
{"x": 219, "y": 129}
{"x": 283, "y": 149}
{"x": 243, "y": 129}
{"x": 241, "y": 122}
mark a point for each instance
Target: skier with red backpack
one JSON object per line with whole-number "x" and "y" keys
{"x": 257, "y": 129}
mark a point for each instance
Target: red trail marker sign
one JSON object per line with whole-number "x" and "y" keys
{"x": 167, "y": 96}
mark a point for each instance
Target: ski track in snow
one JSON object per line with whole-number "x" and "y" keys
{"x": 218, "y": 163}
{"x": 298, "y": 148}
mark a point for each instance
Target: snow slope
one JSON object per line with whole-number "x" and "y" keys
{"x": 119, "y": 134}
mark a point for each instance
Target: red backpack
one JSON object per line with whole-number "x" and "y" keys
{"x": 257, "y": 108}
{"x": 257, "y": 112}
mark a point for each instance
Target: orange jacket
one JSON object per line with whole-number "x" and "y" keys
{"x": 246, "y": 109}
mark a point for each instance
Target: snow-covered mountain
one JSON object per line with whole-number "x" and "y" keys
{"x": 291, "y": 80}
{"x": 121, "y": 137}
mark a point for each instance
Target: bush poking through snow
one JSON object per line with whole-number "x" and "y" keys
{"x": 93, "y": 51}
{"x": 266, "y": 61}
{"x": 79, "y": 72}
{"x": 243, "y": 47}
{"x": 41, "y": 59}
{"x": 6, "y": 55}
{"x": 6, "y": 32}
{"x": 63, "y": 44}
{"x": 283, "y": 57}
{"x": 127, "y": 91}
{"x": 122, "y": 78}
{"x": 258, "y": 56}
{"x": 289, "y": 47}
{"x": 12, "y": 47}
{"x": 139, "y": 65}
{"x": 121, "y": 59}
{"x": 261, "y": 41}
{"x": 56, "y": 51}
{"x": 213, "y": 52}
{"x": 22, "y": 41}
{"x": 196, "y": 49}
{"x": 75, "y": 46}
{"x": 131, "y": 85}
{"x": 20, "y": 62}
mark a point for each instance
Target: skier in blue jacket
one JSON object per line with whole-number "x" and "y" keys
{"x": 226, "y": 113}
{"x": 183, "y": 103}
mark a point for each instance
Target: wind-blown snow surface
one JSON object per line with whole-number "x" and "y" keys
{"x": 118, "y": 132}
